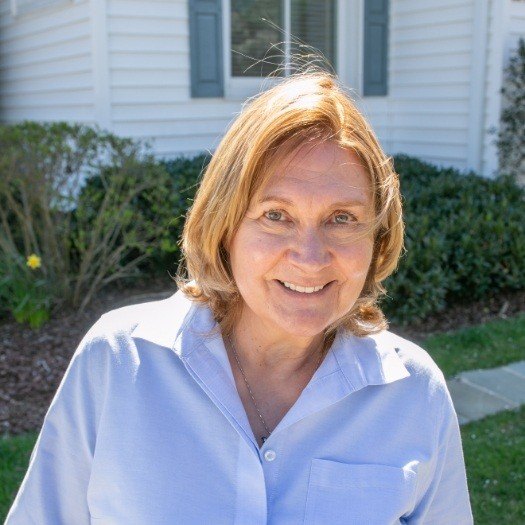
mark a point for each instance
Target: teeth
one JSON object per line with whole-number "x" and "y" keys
{"x": 302, "y": 289}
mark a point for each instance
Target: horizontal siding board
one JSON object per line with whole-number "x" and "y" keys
{"x": 157, "y": 95}
{"x": 175, "y": 128}
{"x": 414, "y": 18}
{"x": 425, "y": 92}
{"x": 430, "y": 107}
{"x": 417, "y": 6}
{"x": 20, "y": 72}
{"x": 431, "y": 122}
{"x": 147, "y": 26}
{"x": 424, "y": 135}
{"x": 144, "y": 9}
{"x": 64, "y": 82}
{"x": 75, "y": 113}
{"x": 150, "y": 43}
{"x": 150, "y": 61}
{"x": 159, "y": 112}
{"x": 436, "y": 77}
{"x": 173, "y": 95}
{"x": 433, "y": 32}
{"x": 149, "y": 78}
{"x": 431, "y": 62}
{"x": 425, "y": 47}
{"x": 60, "y": 18}
{"x": 48, "y": 39}
{"x": 57, "y": 51}
{"x": 52, "y": 99}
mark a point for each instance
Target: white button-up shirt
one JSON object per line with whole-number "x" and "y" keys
{"x": 147, "y": 427}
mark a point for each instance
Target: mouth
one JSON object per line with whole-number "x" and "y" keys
{"x": 304, "y": 290}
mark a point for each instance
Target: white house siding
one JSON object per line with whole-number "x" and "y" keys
{"x": 426, "y": 112}
{"x": 149, "y": 75}
{"x": 45, "y": 63}
{"x": 125, "y": 64}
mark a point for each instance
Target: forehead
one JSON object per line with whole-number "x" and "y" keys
{"x": 320, "y": 169}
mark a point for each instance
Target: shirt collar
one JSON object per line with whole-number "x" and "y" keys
{"x": 182, "y": 325}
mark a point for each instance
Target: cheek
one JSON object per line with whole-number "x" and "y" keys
{"x": 256, "y": 252}
{"x": 356, "y": 257}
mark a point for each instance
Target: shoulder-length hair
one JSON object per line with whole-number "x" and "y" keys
{"x": 305, "y": 108}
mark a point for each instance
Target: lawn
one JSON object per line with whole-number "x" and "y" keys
{"x": 494, "y": 449}
{"x": 492, "y": 344}
{"x": 14, "y": 458}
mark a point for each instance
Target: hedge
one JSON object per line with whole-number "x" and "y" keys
{"x": 465, "y": 235}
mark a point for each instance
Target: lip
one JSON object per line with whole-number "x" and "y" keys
{"x": 301, "y": 295}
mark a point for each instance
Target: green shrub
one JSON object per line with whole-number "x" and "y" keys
{"x": 465, "y": 240}
{"x": 97, "y": 208}
{"x": 511, "y": 134}
{"x": 185, "y": 175}
{"x": 164, "y": 203}
{"x": 49, "y": 205}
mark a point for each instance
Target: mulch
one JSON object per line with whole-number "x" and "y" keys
{"x": 32, "y": 362}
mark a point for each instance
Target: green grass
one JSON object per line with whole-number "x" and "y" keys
{"x": 492, "y": 344}
{"x": 14, "y": 459}
{"x": 494, "y": 449}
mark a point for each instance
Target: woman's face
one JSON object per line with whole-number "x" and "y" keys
{"x": 305, "y": 230}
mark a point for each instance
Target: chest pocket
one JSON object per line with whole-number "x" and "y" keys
{"x": 357, "y": 494}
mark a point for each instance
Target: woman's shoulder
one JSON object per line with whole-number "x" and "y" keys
{"x": 156, "y": 321}
{"x": 417, "y": 361}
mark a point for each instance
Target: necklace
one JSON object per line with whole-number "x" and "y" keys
{"x": 267, "y": 430}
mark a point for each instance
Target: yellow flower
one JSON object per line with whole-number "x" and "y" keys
{"x": 34, "y": 261}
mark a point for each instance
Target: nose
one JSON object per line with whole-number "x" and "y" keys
{"x": 309, "y": 251}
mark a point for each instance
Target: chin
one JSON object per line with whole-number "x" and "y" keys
{"x": 304, "y": 328}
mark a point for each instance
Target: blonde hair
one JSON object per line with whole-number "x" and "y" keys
{"x": 307, "y": 107}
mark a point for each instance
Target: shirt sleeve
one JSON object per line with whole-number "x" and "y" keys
{"x": 445, "y": 499}
{"x": 54, "y": 489}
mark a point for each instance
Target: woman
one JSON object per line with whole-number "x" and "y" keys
{"x": 267, "y": 390}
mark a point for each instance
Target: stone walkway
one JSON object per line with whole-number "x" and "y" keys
{"x": 479, "y": 393}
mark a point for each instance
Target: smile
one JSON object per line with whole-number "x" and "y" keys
{"x": 302, "y": 289}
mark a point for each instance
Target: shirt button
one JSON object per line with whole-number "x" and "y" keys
{"x": 269, "y": 455}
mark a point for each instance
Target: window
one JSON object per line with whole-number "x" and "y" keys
{"x": 258, "y": 29}
{"x": 236, "y": 44}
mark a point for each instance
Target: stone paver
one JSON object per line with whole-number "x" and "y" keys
{"x": 479, "y": 393}
{"x": 500, "y": 381}
{"x": 517, "y": 368}
{"x": 472, "y": 403}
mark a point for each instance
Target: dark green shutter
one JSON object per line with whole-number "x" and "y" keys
{"x": 376, "y": 48}
{"x": 206, "y": 48}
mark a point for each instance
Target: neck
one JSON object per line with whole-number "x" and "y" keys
{"x": 262, "y": 349}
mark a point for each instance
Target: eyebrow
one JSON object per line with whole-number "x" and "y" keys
{"x": 339, "y": 204}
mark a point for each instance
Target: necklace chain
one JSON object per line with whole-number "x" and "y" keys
{"x": 267, "y": 430}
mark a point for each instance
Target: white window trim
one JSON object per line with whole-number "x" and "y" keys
{"x": 349, "y": 23}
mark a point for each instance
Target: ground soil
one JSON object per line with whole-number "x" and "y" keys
{"x": 32, "y": 362}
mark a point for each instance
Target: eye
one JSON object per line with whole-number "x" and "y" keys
{"x": 273, "y": 215}
{"x": 344, "y": 218}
